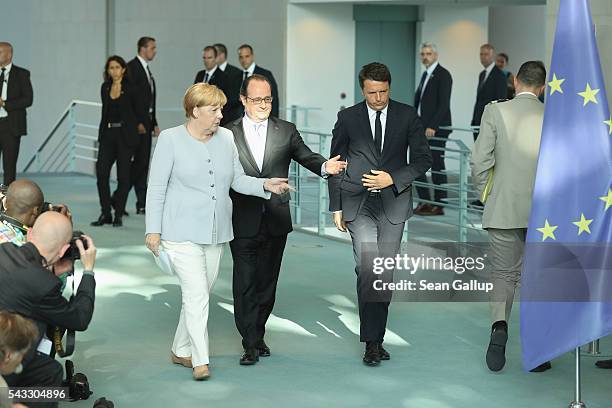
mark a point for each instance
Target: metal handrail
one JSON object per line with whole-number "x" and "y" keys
{"x": 58, "y": 123}
{"x": 69, "y": 114}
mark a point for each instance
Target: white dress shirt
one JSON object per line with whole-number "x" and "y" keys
{"x": 3, "y": 113}
{"x": 223, "y": 66}
{"x": 145, "y": 65}
{"x": 383, "y": 122}
{"x": 429, "y": 71}
{"x": 210, "y": 73}
{"x": 488, "y": 71}
{"x": 250, "y": 69}
{"x": 255, "y": 134}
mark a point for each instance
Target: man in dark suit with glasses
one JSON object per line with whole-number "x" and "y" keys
{"x": 266, "y": 145}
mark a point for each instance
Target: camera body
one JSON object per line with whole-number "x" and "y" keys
{"x": 73, "y": 251}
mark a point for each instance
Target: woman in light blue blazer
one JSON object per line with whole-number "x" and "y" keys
{"x": 189, "y": 211}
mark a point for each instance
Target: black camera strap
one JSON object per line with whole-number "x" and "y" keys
{"x": 70, "y": 336}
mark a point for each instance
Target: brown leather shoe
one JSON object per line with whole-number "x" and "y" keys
{"x": 432, "y": 210}
{"x": 422, "y": 209}
{"x": 184, "y": 361}
{"x": 201, "y": 373}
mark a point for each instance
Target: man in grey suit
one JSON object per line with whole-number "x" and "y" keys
{"x": 504, "y": 161}
{"x": 372, "y": 199}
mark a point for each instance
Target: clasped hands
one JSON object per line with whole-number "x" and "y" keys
{"x": 376, "y": 181}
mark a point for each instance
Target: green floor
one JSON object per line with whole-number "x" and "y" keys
{"x": 437, "y": 348}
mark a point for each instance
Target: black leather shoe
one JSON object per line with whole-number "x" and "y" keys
{"x": 496, "y": 353}
{"x": 125, "y": 213}
{"x": 263, "y": 349}
{"x": 102, "y": 219}
{"x": 117, "y": 222}
{"x": 384, "y": 354}
{"x": 605, "y": 364}
{"x": 371, "y": 357}
{"x": 249, "y": 357}
{"x": 477, "y": 204}
{"x": 140, "y": 211}
{"x": 542, "y": 367}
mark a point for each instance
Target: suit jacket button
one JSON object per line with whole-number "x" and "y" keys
{"x": 210, "y": 172}
{"x": 212, "y": 185}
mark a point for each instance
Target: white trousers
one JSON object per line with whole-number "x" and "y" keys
{"x": 197, "y": 268}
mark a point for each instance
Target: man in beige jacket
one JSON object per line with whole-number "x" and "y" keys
{"x": 504, "y": 161}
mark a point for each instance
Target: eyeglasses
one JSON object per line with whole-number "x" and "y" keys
{"x": 257, "y": 101}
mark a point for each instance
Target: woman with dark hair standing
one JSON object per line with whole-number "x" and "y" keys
{"x": 117, "y": 138}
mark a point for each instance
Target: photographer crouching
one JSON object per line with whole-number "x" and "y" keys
{"x": 29, "y": 287}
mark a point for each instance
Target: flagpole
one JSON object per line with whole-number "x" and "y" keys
{"x": 594, "y": 348}
{"x": 577, "y": 403}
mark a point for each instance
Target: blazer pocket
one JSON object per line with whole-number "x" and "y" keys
{"x": 285, "y": 197}
{"x": 353, "y": 187}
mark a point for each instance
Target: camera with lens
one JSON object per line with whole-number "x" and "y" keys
{"x": 73, "y": 252}
{"x": 46, "y": 206}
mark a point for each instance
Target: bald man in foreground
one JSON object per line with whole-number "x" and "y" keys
{"x": 29, "y": 287}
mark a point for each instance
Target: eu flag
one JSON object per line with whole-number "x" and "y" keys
{"x": 566, "y": 294}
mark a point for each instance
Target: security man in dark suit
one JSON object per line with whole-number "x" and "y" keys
{"x": 247, "y": 61}
{"x": 233, "y": 80}
{"x": 29, "y": 286}
{"x": 266, "y": 145}
{"x": 373, "y": 197}
{"x": 211, "y": 74}
{"x": 143, "y": 81}
{"x": 491, "y": 84}
{"x": 432, "y": 102}
{"x": 15, "y": 96}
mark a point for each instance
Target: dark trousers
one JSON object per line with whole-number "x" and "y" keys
{"x": 9, "y": 150}
{"x": 436, "y": 167}
{"x": 112, "y": 148}
{"x": 257, "y": 263}
{"x": 40, "y": 371}
{"x": 140, "y": 168}
{"x": 373, "y": 235}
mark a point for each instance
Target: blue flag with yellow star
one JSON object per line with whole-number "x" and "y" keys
{"x": 566, "y": 294}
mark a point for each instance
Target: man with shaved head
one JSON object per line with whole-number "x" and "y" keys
{"x": 29, "y": 287}
{"x": 15, "y": 96}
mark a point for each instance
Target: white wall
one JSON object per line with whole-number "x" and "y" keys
{"x": 321, "y": 59}
{"x": 62, "y": 44}
{"x": 520, "y": 32}
{"x": 458, "y": 31}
